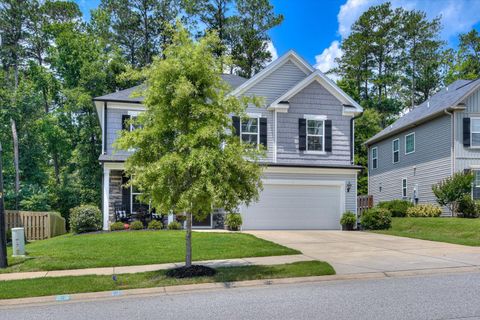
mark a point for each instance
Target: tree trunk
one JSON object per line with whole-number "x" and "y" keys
{"x": 188, "y": 238}
{"x": 3, "y": 236}
{"x": 16, "y": 161}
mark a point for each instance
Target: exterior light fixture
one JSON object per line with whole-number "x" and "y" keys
{"x": 349, "y": 186}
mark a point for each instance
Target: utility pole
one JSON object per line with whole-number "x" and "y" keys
{"x": 3, "y": 235}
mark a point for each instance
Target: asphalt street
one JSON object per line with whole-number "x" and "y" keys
{"x": 454, "y": 296}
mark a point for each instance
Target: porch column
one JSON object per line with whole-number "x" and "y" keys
{"x": 106, "y": 197}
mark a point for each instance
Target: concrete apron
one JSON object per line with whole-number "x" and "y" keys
{"x": 362, "y": 252}
{"x": 186, "y": 289}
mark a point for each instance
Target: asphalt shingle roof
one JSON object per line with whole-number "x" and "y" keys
{"x": 126, "y": 95}
{"x": 442, "y": 100}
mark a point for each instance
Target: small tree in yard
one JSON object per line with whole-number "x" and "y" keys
{"x": 186, "y": 158}
{"x": 451, "y": 190}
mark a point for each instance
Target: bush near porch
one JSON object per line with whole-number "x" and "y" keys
{"x": 127, "y": 248}
{"x": 451, "y": 230}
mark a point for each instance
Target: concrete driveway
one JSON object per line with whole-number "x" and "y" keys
{"x": 360, "y": 252}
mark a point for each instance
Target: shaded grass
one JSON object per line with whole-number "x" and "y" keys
{"x": 452, "y": 230}
{"x": 138, "y": 248}
{"x": 69, "y": 285}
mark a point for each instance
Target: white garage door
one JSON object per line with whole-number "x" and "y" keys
{"x": 295, "y": 207}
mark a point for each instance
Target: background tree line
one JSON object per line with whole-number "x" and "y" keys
{"x": 393, "y": 60}
{"x": 53, "y": 62}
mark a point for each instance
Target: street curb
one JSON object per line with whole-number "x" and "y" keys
{"x": 181, "y": 289}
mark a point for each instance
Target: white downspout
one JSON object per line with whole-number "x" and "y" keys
{"x": 275, "y": 137}
{"x": 452, "y": 148}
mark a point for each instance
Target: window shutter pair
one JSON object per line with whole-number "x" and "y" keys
{"x": 302, "y": 135}
{"x": 263, "y": 129}
{"x": 466, "y": 132}
{"x": 126, "y": 193}
{"x": 125, "y": 122}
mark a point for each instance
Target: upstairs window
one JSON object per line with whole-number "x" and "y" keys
{"x": 410, "y": 143}
{"x": 315, "y": 135}
{"x": 396, "y": 150}
{"x": 475, "y": 132}
{"x": 374, "y": 158}
{"x": 249, "y": 131}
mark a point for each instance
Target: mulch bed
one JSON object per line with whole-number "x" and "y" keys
{"x": 190, "y": 272}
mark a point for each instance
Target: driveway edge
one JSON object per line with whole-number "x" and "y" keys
{"x": 181, "y": 289}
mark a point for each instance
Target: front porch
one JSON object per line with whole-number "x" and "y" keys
{"x": 123, "y": 204}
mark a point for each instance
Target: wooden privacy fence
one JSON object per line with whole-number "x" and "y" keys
{"x": 38, "y": 225}
{"x": 364, "y": 203}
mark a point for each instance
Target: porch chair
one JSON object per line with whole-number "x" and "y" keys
{"x": 121, "y": 213}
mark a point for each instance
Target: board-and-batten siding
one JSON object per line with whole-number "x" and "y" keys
{"x": 270, "y": 88}
{"x": 350, "y": 197}
{"x": 466, "y": 157}
{"x": 114, "y": 126}
{"x": 313, "y": 100}
{"x": 429, "y": 164}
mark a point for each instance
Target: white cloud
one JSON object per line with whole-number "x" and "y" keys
{"x": 273, "y": 51}
{"x": 326, "y": 60}
{"x": 457, "y": 16}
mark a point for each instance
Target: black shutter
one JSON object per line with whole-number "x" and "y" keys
{"x": 236, "y": 125}
{"x": 466, "y": 132}
{"x": 302, "y": 134}
{"x": 125, "y": 124}
{"x": 263, "y": 132}
{"x": 126, "y": 193}
{"x": 328, "y": 135}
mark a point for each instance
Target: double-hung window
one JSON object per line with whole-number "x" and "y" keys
{"x": 315, "y": 134}
{"x": 404, "y": 187}
{"x": 137, "y": 205}
{"x": 475, "y": 132}
{"x": 476, "y": 185}
{"x": 410, "y": 143}
{"x": 374, "y": 158}
{"x": 249, "y": 130}
{"x": 395, "y": 150}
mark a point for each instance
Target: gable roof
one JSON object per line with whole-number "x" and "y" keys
{"x": 448, "y": 97}
{"x": 126, "y": 95}
{"x": 327, "y": 83}
{"x": 289, "y": 56}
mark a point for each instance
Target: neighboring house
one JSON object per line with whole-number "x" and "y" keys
{"x": 306, "y": 126}
{"x": 435, "y": 139}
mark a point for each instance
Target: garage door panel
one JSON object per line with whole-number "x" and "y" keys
{"x": 295, "y": 207}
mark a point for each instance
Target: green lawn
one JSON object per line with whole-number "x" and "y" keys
{"x": 66, "y": 285}
{"x": 452, "y": 230}
{"x": 138, "y": 248}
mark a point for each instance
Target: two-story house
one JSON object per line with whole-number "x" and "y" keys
{"x": 431, "y": 142}
{"x": 306, "y": 125}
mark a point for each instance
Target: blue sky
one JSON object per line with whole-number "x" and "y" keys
{"x": 315, "y": 28}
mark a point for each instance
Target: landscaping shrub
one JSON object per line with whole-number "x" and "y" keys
{"x": 117, "y": 226}
{"x": 174, "y": 225}
{"x": 450, "y": 190}
{"x": 233, "y": 221}
{"x": 424, "y": 210}
{"x": 468, "y": 208}
{"x": 85, "y": 218}
{"x": 397, "y": 207}
{"x": 155, "y": 225}
{"x": 348, "y": 220}
{"x": 376, "y": 219}
{"x": 136, "y": 225}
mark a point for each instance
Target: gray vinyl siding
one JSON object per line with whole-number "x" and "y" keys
{"x": 429, "y": 164}
{"x": 465, "y": 158}
{"x": 114, "y": 126}
{"x": 270, "y": 88}
{"x": 350, "y": 197}
{"x": 313, "y": 100}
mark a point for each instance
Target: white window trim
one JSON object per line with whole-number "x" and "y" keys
{"x": 393, "y": 150}
{"x": 414, "y": 142}
{"x": 131, "y": 198}
{"x": 252, "y": 116}
{"x": 376, "y": 157}
{"x": 315, "y": 118}
{"x": 405, "y": 188}
{"x": 471, "y": 133}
